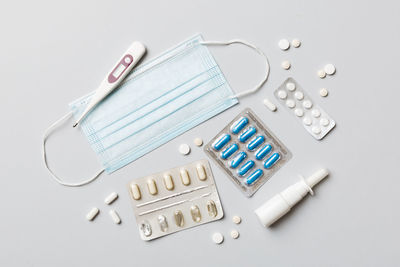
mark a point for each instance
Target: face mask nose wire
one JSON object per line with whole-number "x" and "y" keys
{"x": 47, "y": 133}
{"x": 238, "y": 41}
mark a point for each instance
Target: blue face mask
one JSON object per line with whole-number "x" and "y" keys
{"x": 160, "y": 100}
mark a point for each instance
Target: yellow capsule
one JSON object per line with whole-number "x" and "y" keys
{"x": 178, "y": 216}
{"x": 212, "y": 208}
{"x": 201, "y": 172}
{"x": 185, "y": 177}
{"x": 168, "y": 182}
{"x": 135, "y": 190}
{"x": 151, "y": 185}
{"x": 195, "y": 212}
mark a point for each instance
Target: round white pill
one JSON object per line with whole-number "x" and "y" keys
{"x": 296, "y": 43}
{"x": 321, "y": 74}
{"x": 316, "y": 113}
{"x": 285, "y": 64}
{"x": 299, "y": 95}
{"x": 324, "y": 122}
{"x": 234, "y": 234}
{"x": 290, "y": 103}
{"x": 307, "y": 121}
{"x": 307, "y": 104}
{"x": 198, "y": 141}
{"x": 291, "y": 86}
{"x": 218, "y": 238}
{"x": 184, "y": 149}
{"x": 284, "y": 44}
{"x": 236, "y": 219}
{"x": 299, "y": 112}
{"x": 330, "y": 69}
{"x": 316, "y": 130}
{"x": 323, "y": 92}
{"x": 282, "y": 94}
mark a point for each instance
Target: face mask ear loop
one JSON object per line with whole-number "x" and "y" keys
{"x": 47, "y": 133}
{"x": 238, "y": 41}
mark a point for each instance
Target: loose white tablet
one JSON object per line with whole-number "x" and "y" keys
{"x": 198, "y": 141}
{"x": 184, "y": 149}
{"x": 284, "y": 44}
{"x": 323, "y": 92}
{"x": 236, "y": 219}
{"x": 111, "y": 198}
{"x": 321, "y": 74}
{"x": 285, "y": 64}
{"x": 115, "y": 217}
{"x": 218, "y": 238}
{"x": 271, "y": 106}
{"x": 330, "y": 69}
{"x": 234, "y": 234}
{"x": 296, "y": 43}
{"x": 92, "y": 214}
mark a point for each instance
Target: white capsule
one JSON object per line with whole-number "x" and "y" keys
{"x": 291, "y": 86}
{"x": 290, "y": 103}
{"x": 234, "y": 234}
{"x": 201, "y": 172}
{"x": 92, "y": 214}
{"x": 115, "y": 217}
{"x": 299, "y": 112}
{"x": 111, "y": 198}
{"x": 168, "y": 182}
{"x": 152, "y": 186}
{"x": 316, "y": 113}
{"x": 184, "y": 149}
{"x": 135, "y": 191}
{"x": 286, "y": 64}
{"x": 271, "y": 106}
{"x": 218, "y": 238}
{"x": 323, "y": 92}
{"x": 330, "y": 69}
{"x": 307, "y": 104}
{"x": 282, "y": 94}
{"x": 299, "y": 95}
{"x": 321, "y": 74}
{"x": 284, "y": 44}
{"x": 198, "y": 141}
{"x": 185, "y": 178}
{"x": 296, "y": 43}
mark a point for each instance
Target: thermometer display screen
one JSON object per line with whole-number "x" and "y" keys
{"x": 117, "y": 72}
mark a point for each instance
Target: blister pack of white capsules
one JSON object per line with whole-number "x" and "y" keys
{"x": 314, "y": 119}
{"x": 248, "y": 151}
{"x": 175, "y": 199}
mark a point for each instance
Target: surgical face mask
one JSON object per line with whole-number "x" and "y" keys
{"x": 160, "y": 100}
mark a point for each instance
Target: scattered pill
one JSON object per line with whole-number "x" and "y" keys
{"x": 195, "y": 212}
{"x": 271, "y": 160}
{"x": 179, "y": 219}
{"x": 185, "y": 178}
{"x": 238, "y": 159}
{"x": 255, "y": 176}
{"x": 330, "y": 69}
{"x": 92, "y": 214}
{"x": 290, "y": 103}
{"x": 299, "y": 95}
{"x": 201, "y": 172}
{"x": 323, "y": 92}
{"x": 198, "y": 141}
{"x": 168, "y": 182}
{"x": 152, "y": 187}
{"x": 307, "y": 121}
{"x": 247, "y": 134}
{"x": 296, "y": 43}
{"x": 286, "y": 64}
{"x": 321, "y": 74}
{"x": 316, "y": 113}
{"x": 291, "y": 86}
{"x": 162, "y": 222}
{"x": 218, "y": 238}
{"x": 229, "y": 151}
{"x": 221, "y": 141}
{"x": 212, "y": 209}
{"x": 271, "y": 106}
{"x": 282, "y": 94}
{"x": 284, "y": 44}
{"x": 307, "y": 104}
{"x": 324, "y": 122}
{"x": 253, "y": 144}
{"x": 111, "y": 198}
{"x": 135, "y": 191}
{"x": 236, "y": 219}
{"x": 234, "y": 234}
{"x": 263, "y": 151}
{"x": 299, "y": 112}
{"x": 239, "y": 125}
{"x": 115, "y": 217}
{"x": 184, "y": 149}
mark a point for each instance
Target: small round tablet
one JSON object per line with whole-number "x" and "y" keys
{"x": 323, "y": 92}
{"x": 198, "y": 141}
{"x": 184, "y": 149}
{"x": 299, "y": 95}
{"x": 236, "y": 219}
{"x": 285, "y": 64}
{"x": 321, "y": 74}
{"x": 284, "y": 44}
{"x": 316, "y": 130}
{"x": 234, "y": 234}
{"x": 282, "y": 94}
{"x": 218, "y": 238}
{"x": 291, "y": 86}
{"x": 299, "y": 112}
{"x": 290, "y": 103}
{"x": 296, "y": 43}
{"x": 324, "y": 122}
{"x": 307, "y": 121}
{"x": 307, "y": 104}
{"x": 330, "y": 69}
{"x": 316, "y": 113}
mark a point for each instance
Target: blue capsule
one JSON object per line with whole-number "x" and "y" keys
{"x": 255, "y": 142}
{"x": 247, "y": 134}
{"x": 221, "y": 141}
{"x": 262, "y": 152}
{"x": 229, "y": 151}
{"x": 239, "y": 125}
{"x": 246, "y": 167}
{"x": 254, "y": 176}
{"x": 238, "y": 159}
{"x": 271, "y": 160}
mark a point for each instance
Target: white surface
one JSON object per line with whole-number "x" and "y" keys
{"x": 353, "y": 219}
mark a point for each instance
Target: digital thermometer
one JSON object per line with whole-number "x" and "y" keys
{"x": 115, "y": 77}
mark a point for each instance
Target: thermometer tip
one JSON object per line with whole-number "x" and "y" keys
{"x": 75, "y": 124}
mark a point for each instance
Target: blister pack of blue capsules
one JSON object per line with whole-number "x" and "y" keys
{"x": 248, "y": 151}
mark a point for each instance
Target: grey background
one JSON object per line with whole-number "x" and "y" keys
{"x": 52, "y": 52}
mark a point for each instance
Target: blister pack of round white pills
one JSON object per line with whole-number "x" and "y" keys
{"x": 175, "y": 199}
{"x": 248, "y": 152}
{"x": 314, "y": 119}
